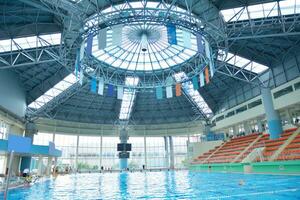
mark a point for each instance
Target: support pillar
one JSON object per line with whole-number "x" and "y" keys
{"x": 29, "y": 132}
{"x": 247, "y": 128}
{"x": 40, "y": 166}
{"x": 172, "y": 163}
{"x": 123, "y": 162}
{"x": 49, "y": 165}
{"x": 167, "y": 164}
{"x": 273, "y": 118}
{"x": 260, "y": 126}
{"x": 145, "y": 151}
{"x": 76, "y": 153}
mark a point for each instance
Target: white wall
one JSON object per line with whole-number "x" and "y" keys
{"x": 12, "y": 95}
{"x": 197, "y": 148}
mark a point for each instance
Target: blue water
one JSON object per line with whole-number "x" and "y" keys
{"x": 162, "y": 185}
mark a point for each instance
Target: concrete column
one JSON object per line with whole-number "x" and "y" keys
{"x": 273, "y": 118}
{"x": 76, "y": 154}
{"x": 40, "y": 166}
{"x": 172, "y": 162}
{"x": 145, "y": 151}
{"x": 123, "y": 139}
{"x": 260, "y": 126}
{"x": 30, "y": 131}
{"x": 49, "y": 164}
{"x": 101, "y": 142}
{"x": 167, "y": 164}
{"x": 247, "y": 127}
{"x": 235, "y": 130}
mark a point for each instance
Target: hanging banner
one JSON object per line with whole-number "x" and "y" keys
{"x": 159, "y": 92}
{"x": 178, "y": 89}
{"x": 101, "y": 86}
{"x": 120, "y": 92}
{"x": 102, "y": 38}
{"x": 200, "y": 43}
{"x": 82, "y": 51}
{"x": 206, "y": 72}
{"x": 187, "y": 39}
{"x": 195, "y": 83}
{"x": 110, "y": 90}
{"x": 209, "y": 56}
{"x": 171, "y": 31}
{"x": 117, "y": 35}
{"x": 169, "y": 90}
{"x": 202, "y": 80}
{"x": 89, "y": 44}
{"x": 81, "y": 77}
{"x": 77, "y": 63}
{"x": 93, "y": 85}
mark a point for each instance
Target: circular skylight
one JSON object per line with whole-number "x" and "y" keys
{"x": 145, "y": 47}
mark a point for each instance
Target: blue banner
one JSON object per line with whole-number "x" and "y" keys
{"x": 94, "y": 85}
{"x": 110, "y": 90}
{"x": 200, "y": 43}
{"x": 89, "y": 44}
{"x": 77, "y": 63}
{"x": 171, "y": 30}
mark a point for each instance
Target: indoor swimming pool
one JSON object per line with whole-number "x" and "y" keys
{"x": 162, "y": 185}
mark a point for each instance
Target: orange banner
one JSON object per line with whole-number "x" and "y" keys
{"x": 178, "y": 89}
{"x": 206, "y": 75}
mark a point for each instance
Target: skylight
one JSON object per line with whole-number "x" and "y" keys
{"x": 265, "y": 10}
{"x": 159, "y": 55}
{"x": 128, "y": 98}
{"x": 241, "y": 62}
{"x": 192, "y": 93}
{"x": 53, "y": 92}
{"x": 29, "y": 42}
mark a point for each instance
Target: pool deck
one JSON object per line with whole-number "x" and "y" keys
{"x": 291, "y": 167}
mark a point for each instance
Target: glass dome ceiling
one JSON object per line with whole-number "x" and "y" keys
{"x": 132, "y": 54}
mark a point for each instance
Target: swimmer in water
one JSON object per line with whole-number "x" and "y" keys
{"x": 242, "y": 182}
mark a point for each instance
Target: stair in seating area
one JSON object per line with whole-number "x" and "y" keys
{"x": 204, "y": 156}
{"x": 271, "y": 146}
{"x": 231, "y": 149}
{"x": 291, "y": 151}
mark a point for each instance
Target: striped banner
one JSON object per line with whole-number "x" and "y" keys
{"x": 208, "y": 55}
{"x": 82, "y": 51}
{"x": 178, "y": 89}
{"x": 169, "y": 90}
{"x": 159, "y": 92}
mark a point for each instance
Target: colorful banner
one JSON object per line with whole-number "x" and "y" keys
{"x": 171, "y": 31}
{"x": 178, "y": 89}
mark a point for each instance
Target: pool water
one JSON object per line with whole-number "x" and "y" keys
{"x": 162, "y": 185}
